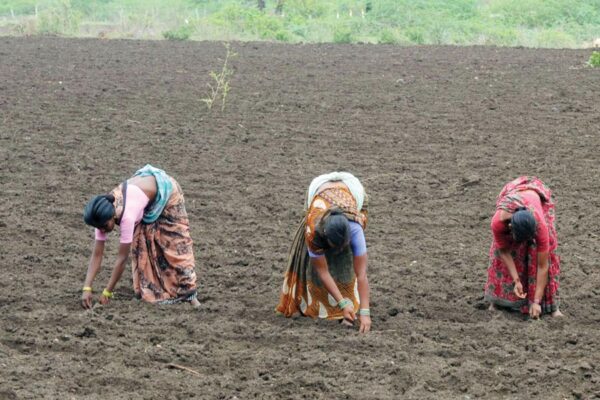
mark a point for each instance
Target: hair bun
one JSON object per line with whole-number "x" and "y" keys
{"x": 99, "y": 210}
{"x": 523, "y": 224}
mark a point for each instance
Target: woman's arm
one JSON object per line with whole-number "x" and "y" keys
{"x": 117, "y": 270}
{"x": 93, "y": 269}
{"x": 540, "y": 284}
{"x": 542, "y": 241}
{"x": 320, "y": 265}
{"x": 360, "y": 269}
{"x": 507, "y": 259}
{"x": 542, "y": 275}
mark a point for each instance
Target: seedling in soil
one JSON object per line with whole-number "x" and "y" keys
{"x": 594, "y": 60}
{"x": 220, "y": 85}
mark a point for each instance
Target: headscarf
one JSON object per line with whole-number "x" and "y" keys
{"x": 354, "y": 185}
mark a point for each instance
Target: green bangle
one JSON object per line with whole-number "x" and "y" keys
{"x": 364, "y": 311}
{"x": 343, "y": 303}
{"x": 107, "y": 293}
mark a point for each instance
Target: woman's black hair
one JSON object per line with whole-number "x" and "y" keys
{"x": 336, "y": 228}
{"x": 523, "y": 225}
{"x": 99, "y": 210}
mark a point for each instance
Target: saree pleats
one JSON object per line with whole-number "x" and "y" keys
{"x": 163, "y": 255}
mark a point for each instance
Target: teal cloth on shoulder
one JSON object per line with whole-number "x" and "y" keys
{"x": 164, "y": 188}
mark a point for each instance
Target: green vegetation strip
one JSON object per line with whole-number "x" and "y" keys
{"x": 531, "y": 23}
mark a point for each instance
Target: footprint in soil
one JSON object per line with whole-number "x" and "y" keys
{"x": 87, "y": 333}
{"x": 392, "y": 312}
{"x": 481, "y": 305}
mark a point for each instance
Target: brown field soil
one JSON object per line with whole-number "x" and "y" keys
{"x": 433, "y": 133}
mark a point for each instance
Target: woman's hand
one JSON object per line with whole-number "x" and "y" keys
{"x": 93, "y": 268}
{"x": 365, "y": 323}
{"x": 519, "y": 290}
{"x": 506, "y": 257}
{"x": 535, "y": 310}
{"x": 349, "y": 315}
{"x": 104, "y": 300}
{"x": 116, "y": 274}
{"x": 86, "y": 300}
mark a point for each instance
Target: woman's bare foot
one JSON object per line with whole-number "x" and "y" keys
{"x": 557, "y": 313}
{"x": 195, "y": 303}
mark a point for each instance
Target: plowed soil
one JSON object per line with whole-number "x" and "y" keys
{"x": 433, "y": 133}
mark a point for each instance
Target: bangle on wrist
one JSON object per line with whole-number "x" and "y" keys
{"x": 87, "y": 289}
{"x": 537, "y": 301}
{"x": 364, "y": 311}
{"x": 107, "y": 293}
{"x": 343, "y": 303}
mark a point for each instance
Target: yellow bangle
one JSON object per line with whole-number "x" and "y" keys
{"x": 87, "y": 289}
{"x": 107, "y": 293}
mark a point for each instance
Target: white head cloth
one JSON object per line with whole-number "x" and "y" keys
{"x": 356, "y": 188}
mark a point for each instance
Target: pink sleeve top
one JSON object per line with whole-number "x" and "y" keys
{"x": 502, "y": 235}
{"x": 132, "y": 215}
